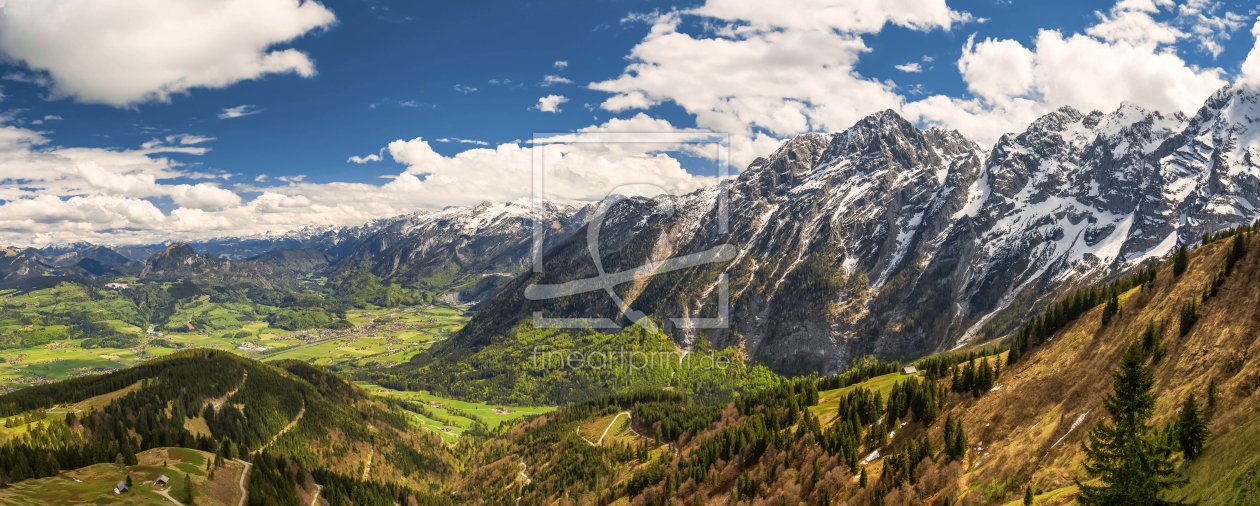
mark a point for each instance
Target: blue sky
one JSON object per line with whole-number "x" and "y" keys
{"x": 320, "y": 83}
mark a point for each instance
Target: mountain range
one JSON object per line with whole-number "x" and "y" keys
{"x": 899, "y": 241}
{"x": 881, "y": 239}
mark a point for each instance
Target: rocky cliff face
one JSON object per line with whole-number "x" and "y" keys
{"x": 888, "y": 239}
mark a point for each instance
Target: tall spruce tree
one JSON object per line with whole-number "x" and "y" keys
{"x": 1181, "y": 260}
{"x": 1192, "y": 431}
{"x": 1133, "y": 465}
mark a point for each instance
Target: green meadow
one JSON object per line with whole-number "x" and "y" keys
{"x": 491, "y": 414}
{"x": 381, "y": 336}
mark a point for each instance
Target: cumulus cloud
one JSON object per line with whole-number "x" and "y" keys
{"x": 125, "y": 52}
{"x": 550, "y": 103}
{"x": 553, "y": 80}
{"x": 117, "y": 195}
{"x": 464, "y": 89}
{"x": 561, "y": 64}
{"x": 1107, "y": 65}
{"x": 765, "y": 71}
{"x": 238, "y": 111}
{"x": 1250, "y": 72}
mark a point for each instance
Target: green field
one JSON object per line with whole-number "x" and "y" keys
{"x": 485, "y": 412}
{"x": 381, "y": 337}
{"x": 94, "y": 484}
{"x": 828, "y": 400}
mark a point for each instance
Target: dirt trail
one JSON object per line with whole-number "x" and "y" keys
{"x": 244, "y": 474}
{"x": 286, "y": 427}
{"x": 168, "y": 497}
{"x": 610, "y": 426}
{"x": 219, "y": 402}
{"x": 368, "y": 467}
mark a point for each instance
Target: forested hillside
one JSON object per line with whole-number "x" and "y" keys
{"x": 218, "y": 402}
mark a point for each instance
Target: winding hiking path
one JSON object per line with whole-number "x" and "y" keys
{"x": 244, "y": 474}
{"x": 605, "y": 431}
{"x": 523, "y": 475}
{"x": 286, "y": 427}
{"x": 368, "y": 467}
{"x": 167, "y": 495}
{"x": 610, "y": 426}
{"x": 318, "y": 488}
{"x": 219, "y": 402}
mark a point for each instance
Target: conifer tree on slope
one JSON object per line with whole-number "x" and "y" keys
{"x": 1132, "y": 463}
{"x": 1192, "y": 431}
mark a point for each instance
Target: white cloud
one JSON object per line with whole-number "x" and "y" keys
{"x": 1207, "y": 28}
{"x": 113, "y": 195}
{"x": 550, "y": 103}
{"x": 767, "y": 71}
{"x": 561, "y": 64}
{"x": 364, "y": 159}
{"x": 125, "y": 52}
{"x": 464, "y": 89}
{"x": 186, "y": 139}
{"x": 928, "y": 59}
{"x": 553, "y": 80}
{"x": 463, "y": 141}
{"x": 238, "y": 111}
{"x": 1014, "y": 85}
{"x": 51, "y": 118}
{"x": 779, "y": 68}
{"x": 1250, "y": 72}
{"x": 909, "y": 67}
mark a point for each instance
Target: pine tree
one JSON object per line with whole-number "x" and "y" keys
{"x": 1189, "y": 315}
{"x": 862, "y": 478}
{"x": 188, "y": 489}
{"x": 1192, "y": 432}
{"x": 1028, "y": 496}
{"x": 1133, "y": 466}
{"x": 1181, "y": 261}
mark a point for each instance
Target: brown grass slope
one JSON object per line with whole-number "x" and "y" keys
{"x": 1013, "y": 431}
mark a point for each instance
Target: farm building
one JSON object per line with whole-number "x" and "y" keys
{"x": 909, "y": 371}
{"x": 161, "y": 481}
{"x": 122, "y": 487}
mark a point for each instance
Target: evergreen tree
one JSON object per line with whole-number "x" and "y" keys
{"x": 862, "y": 478}
{"x": 1134, "y": 467}
{"x": 129, "y": 485}
{"x": 1192, "y": 432}
{"x": 1028, "y": 496}
{"x": 1181, "y": 261}
{"x": 1189, "y": 315}
{"x": 188, "y": 489}
{"x": 1111, "y": 309}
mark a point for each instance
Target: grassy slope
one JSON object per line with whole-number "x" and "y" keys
{"x": 1044, "y": 394}
{"x": 94, "y": 484}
